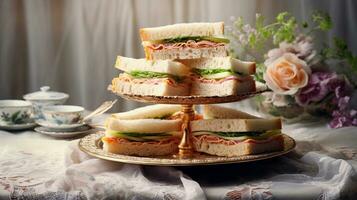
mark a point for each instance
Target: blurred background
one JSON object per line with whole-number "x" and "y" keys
{"x": 71, "y": 46}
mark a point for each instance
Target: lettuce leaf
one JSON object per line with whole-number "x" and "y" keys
{"x": 150, "y": 74}
{"x": 203, "y": 72}
{"x": 257, "y": 135}
{"x": 139, "y": 137}
{"x": 194, "y": 38}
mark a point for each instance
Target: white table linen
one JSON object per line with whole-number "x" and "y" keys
{"x": 323, "y": 166}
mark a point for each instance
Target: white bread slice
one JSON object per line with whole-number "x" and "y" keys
{"x": 147, "y": 112}
{"x": 227, "y": 62}
{"x": 143, "y": 125}
{"x": 225, "y": 88}
{"x": 220, "y": 112}
{"x": 162, "y": 66}
{"x": 182, "y": 30}
{"x": 141, "y": 148}
{"x": 162, "y": 88}
{"x": 247, "y": 147}
{"x": 185, "y": 53}
{"x": 236, "y": 125}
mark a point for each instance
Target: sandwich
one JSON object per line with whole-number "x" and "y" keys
{"x": 220, "y": 76}
{"x": 143, "y": 133}
{"x": 184, "y": 41}
{"x": 236, "y": 137}
{"x": 148, "y": 77}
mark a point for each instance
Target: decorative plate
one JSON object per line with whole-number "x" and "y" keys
{"x": 63, "y": 134}
{"x": 18, "y": 127}
{"x": 93, "y": 145}
{"x": 62, "y": 127}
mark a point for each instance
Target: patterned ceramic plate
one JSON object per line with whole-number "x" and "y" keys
{"x": 63, "y": 127}
{"x": 18, "y": 127}
{"x": 64, "y": 134}
{"x": 92, "y": 145}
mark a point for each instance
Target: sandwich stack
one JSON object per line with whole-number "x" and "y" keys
{"x": 183, "y": 60}
{"x": 187, "y": 60}
{"x": 148, "y": 131}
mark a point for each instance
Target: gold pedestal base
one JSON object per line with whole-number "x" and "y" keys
{"x": 185, "y": 146}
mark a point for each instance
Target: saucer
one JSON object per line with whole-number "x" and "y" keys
{"x": 62, "y": 127}
{"x": 63, "y": 134}
{"x": 18, "y": 127}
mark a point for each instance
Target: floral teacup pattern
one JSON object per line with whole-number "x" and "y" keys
{"x": 15, "y": 112}
{"x": 62, "y": 114}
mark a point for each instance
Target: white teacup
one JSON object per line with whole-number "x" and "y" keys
{"x": 15, "y": 112}
{"x": 58, "y": 115}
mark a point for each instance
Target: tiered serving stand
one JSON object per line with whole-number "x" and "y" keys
{"x": 186, "y": 156}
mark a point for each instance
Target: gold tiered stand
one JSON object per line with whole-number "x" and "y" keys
{"x": 186, "y": 156}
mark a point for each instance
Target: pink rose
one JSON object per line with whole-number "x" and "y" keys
{"x": 287, "y": 74}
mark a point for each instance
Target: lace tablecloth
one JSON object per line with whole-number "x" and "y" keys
{"x": 323, "y": 166}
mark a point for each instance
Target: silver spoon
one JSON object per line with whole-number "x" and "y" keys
{"x": 100, "y": 110}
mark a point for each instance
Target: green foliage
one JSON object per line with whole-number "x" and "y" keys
{"x": 323, "y": 20}
{"x": 252, "y": 42}
{"x": 260, "y": 72}
{"x": 283, "y": 29}
{"x": 340, "y": 50}
{"x": 286, "y": 27}
{"x": 304, "y": 25}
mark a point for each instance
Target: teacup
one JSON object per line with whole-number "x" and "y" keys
{"x": 15, "y": 112}
{"x": 58, "y": 115}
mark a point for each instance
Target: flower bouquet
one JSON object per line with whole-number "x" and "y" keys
{"x": 306, "y": 77}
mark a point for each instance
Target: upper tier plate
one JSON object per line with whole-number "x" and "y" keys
{"x": 193, "y": 99}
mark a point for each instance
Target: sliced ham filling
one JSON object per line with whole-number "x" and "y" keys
{"x": 189, "y": 44}
{"x": 217, "y": 140}
{"x": 154, "y": 81}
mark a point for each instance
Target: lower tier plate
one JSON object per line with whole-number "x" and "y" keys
{"x": 92, "y": 145}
